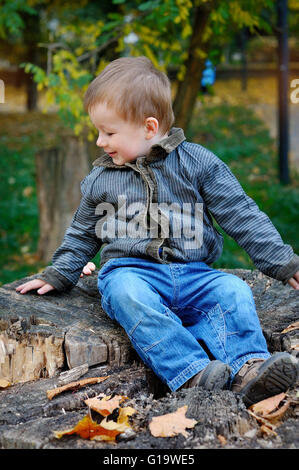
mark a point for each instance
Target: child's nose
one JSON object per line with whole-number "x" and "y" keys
{"x": 101, "y": 141}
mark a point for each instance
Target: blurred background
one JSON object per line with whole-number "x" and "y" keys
{"x": 234, "y": 69}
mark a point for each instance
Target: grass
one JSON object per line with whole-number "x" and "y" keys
{"x": 18, "y": 211}
{"x": 232, "y": 132}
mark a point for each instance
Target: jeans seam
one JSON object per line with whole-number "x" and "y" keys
{"x": 176, "y": 285}
{"x": 148, "y": 348}
{"x": 222, "y": 342}
{"x": 134, "y": 328}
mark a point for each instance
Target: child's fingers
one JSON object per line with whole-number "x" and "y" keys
{"x": 42, "y": 287}
{"x": 88, "y": 269}
{"x": 91, "y": 266}
{"x": 46, "y": 288}
{"x": 30, "y": 285}
{"x": 293, "y": 283}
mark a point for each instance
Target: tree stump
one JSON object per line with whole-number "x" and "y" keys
{"x": 59, "y": 171}
{"x": 48, "y": 340}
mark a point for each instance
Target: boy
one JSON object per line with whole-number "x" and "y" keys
{"x": 191, "y": 324}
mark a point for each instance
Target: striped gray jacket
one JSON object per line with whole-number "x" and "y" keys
{"x": 161, "y": 207}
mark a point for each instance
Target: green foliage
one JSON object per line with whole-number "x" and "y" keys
{"x": 18, "y": 208}
{"x": 11, "y": 21}
{"x": 162, "y": 29}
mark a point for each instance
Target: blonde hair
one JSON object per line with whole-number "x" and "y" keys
{"x": 135, "y": 89}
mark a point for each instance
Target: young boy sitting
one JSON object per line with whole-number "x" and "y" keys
{"x": 147, "y": 204}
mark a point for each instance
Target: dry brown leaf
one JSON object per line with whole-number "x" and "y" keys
{"x": 222, "y": 440}
{"x": 267, "y": 431}
{"x": 4, "y": 383}
{"x": 268, "y": 413}
{"x": 277, "y": 415}
{"x": 88, "y": 429}
{"x": 263, "y": 422}
{"x": 105, "y": 405}
{"x": 293, "y": 326}
{"x": 73, "y": 385}
{"x": 268, "y": 405}
{"x": 171, "y": 424}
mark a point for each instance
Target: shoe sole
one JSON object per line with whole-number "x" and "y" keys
{"x": 275, "y": 376}
{"x": 215, "y": 376}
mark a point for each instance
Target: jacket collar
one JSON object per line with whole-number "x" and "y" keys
{"x": 158, "y": 151}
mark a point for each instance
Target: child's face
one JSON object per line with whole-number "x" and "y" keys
{"x": 121, "y": 140}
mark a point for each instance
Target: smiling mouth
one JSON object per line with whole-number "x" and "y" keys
{"x": 112, "y": 154}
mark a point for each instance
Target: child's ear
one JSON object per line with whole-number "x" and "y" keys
{"x": 151, "y": 127}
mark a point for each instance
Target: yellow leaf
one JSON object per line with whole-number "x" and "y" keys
{"x": 124, "y": 414}
{"x": 111, "y": 427}
{"x": 171, "y": 424}
{"x": 293, "y": 326}
{"x": 88, "y": 429}
{"x": 4, "y": 383}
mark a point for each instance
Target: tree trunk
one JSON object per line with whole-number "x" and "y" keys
{"x": 59, "y": 172}
{"x": 187, "y": 92}
{"x": 32, "y": 36}
{"x": 31, "y": 92}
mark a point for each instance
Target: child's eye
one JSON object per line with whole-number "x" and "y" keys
{"x": 109, "y": 134}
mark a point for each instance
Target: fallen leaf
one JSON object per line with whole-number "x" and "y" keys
{"x": 105, "y": 405}
{"x": 267, "y": 431}
{"x": 293, "y": 326}
{"x": 88, "y": 429}
{"x": 268, "y": 405}
{"x": 264, "y": 423}
{"x": 73, "y": 385}
{"x": 111, "y": 427}
{"x": 4, "y": 383}
{"x": 171, "y": 424}
{"x": 268, "y": 413}
{"x": 124, "y": 414}
{"x": 277, "y": 415}
{"x": 222, "y": 440}
{"x": 269, "y": 408}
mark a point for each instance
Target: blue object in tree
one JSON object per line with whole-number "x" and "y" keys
{"x": 209, "y": 74}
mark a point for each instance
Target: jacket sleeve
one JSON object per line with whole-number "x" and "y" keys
{"x": 80, "y": 243}
{"x": 239, "y": 216}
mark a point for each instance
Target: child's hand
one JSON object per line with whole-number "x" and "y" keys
{"x": 88, "y": 269}
{"x": 294, "y": 281}
{"x": 42, "y": 286}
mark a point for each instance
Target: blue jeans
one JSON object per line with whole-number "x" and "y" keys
{"x": 179, "y": 316}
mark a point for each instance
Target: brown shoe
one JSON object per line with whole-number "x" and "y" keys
{"x": 267, "y": 378}
{"x": 212, "y": 377}
{"x": 248, "y": 372}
